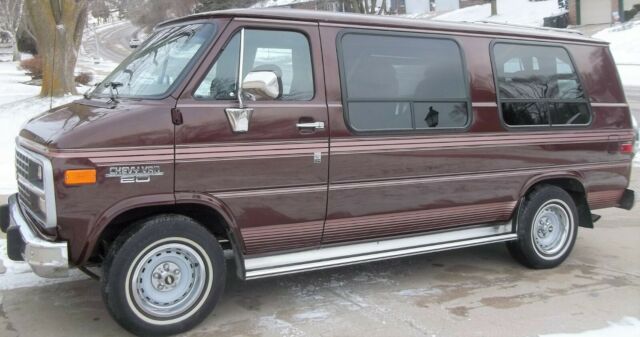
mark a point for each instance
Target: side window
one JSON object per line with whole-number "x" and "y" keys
{"x": 283, "y": 52}
{"x": 393, "y": 82}
{"x": 538, "y": 86}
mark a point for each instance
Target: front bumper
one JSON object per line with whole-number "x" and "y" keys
{"x": 46, "y": 258}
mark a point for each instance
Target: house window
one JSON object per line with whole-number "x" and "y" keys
{"x": 403, "y": 82}
{"x": 538, "y": 86}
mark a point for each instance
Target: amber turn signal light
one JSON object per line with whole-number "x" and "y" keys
{"x": 80, "y": 177}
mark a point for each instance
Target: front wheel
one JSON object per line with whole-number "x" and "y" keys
{"x": 546, "y": 228}
{"x": 164, "y": 276}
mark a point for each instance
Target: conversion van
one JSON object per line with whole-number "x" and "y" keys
{"x": 299, "y": 140}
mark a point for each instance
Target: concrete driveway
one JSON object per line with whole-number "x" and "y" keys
{"x": 471, "y": 292}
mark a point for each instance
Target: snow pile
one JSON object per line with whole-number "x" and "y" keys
{"x": 520, "y": 12}
{"x": 627, "y": 327}
{"x": 625, "y": 46}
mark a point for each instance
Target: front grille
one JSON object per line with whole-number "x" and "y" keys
{"x": 30, "y": 187}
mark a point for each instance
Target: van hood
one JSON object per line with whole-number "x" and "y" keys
{"x": 86, "y": 124}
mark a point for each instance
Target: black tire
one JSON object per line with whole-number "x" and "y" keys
{"x": 153, "y": 250}
{"x": 530, "y": 249}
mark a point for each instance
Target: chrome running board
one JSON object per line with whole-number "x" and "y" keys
{"x": 346, "y": 254}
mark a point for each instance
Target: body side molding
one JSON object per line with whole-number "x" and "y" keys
{"x": 341, "y": 255}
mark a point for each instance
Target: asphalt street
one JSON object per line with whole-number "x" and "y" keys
{"x": 113, "y": 41}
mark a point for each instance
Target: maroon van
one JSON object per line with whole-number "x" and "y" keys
{"x": 350, "y": 139}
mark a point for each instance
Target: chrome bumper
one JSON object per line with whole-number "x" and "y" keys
{"x": 46, "y": 258}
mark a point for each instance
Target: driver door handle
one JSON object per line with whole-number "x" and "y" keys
{"x": 313, "y": 125}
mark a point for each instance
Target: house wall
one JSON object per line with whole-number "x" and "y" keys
{"x": 578, "y": 8}
{"x": 416, "y": 6}
{"x": 447, "y": 5}
{"x": 628, "y": 4}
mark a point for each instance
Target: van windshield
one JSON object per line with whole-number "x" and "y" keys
{"x": 154, "y": 68}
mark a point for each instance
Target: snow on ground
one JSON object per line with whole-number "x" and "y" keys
{"x": 625, "y": 42}
{"x": 520, "y": 12}
{"x": 626, "y": 327}
{"x": 625, "y": 46}
{"x": 100, "y": 68}
{"x": 11, "y": 88}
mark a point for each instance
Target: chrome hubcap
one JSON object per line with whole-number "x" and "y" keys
{"x": 166, "y": 276}
{"x": 551, "y": 227}
{"x": 168, "y": 280}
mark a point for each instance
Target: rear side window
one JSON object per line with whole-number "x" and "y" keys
{"x": 398, "y": 82}
{"x": 538, "y": 86}
{"x": 283, "y": 52}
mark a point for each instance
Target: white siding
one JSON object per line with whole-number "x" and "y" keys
{"x": 595, "y": 12}
{"x": 629, "y": 3}
{"x": 447, "y": 5}
{"x": 417, "y": 6}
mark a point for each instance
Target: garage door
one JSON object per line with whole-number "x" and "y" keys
{"x": 595, "y": 11}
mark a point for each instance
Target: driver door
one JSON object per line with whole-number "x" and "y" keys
{"x": 272, "y": 178}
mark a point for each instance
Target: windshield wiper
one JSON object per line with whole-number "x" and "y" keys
{"x": 89, "y": 93}
{"x": 113, "y": 90}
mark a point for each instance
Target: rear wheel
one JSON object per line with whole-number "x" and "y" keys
{"x": 546, "y": 228}
{"x": 164, "y": 276}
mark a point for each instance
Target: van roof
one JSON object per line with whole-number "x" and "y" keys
{"x": 494, "y": 29}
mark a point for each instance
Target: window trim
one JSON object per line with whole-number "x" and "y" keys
{"x": 232, "y": 34}
{"x": 546, "y": 101}
{"x": 345, "y": 99}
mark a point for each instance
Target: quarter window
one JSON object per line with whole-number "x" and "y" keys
{"x": 403, "y": 82}
{"x": 538, "y": 86}
{"x": 283, "y": 52}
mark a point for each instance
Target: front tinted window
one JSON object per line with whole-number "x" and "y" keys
{"x": 155, "y": 67}
{"x": 283, "y": 52}
{"x": 403, "y": 82}
{"x": 538, "y": 86}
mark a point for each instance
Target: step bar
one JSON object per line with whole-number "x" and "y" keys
{"x": 342, "y": 255}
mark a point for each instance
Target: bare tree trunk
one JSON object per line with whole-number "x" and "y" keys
{"x": 16, "y": 52}
{"x": 57, "y": 26}
{"x": 494, "y": 7}
{"x": 383, "y": 8}
{"x": 10, "y": 21}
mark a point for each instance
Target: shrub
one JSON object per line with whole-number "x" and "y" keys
{"x": 84, "y": 78}
{"x": 33, "y": 66}
{"x": 630, "y": 14}
{"x": 26, "y": 43}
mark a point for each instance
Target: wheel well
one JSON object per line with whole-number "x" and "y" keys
{"x": 208, "y": 217}
{"x": 577, "y": 192}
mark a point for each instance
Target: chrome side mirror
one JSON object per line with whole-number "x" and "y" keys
{"x": 261, "y": 85}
